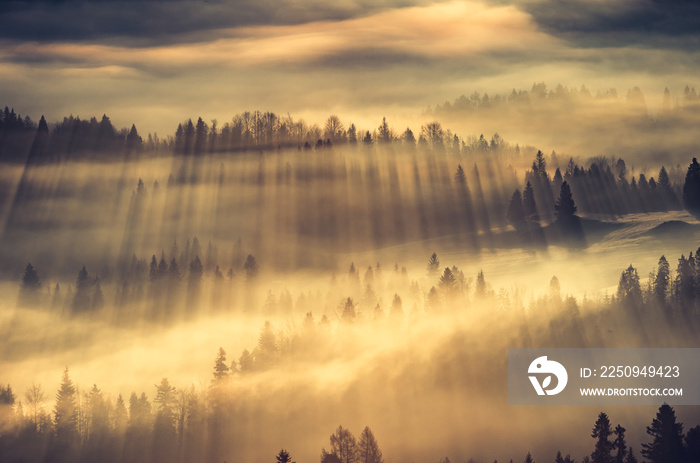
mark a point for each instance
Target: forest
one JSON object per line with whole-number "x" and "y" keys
{"x": 339, "y": 276}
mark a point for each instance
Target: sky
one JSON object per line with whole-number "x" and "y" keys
{"x": 156, "y": 62}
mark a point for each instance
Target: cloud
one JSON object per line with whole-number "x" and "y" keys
{"x": 452, "y": 30}
{"x": 648, "y": 23}
{"x": 153, "y": 22}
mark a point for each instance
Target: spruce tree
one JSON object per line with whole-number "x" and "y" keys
{"x": 661, "y": 280}
{"x": 30, "y": 287}
{"x": 516, "y": 214}
{"x": 691, "y": 189}
{"x": 284, "y": 457}
{"x": 619, "y": 445}
{"x": 529, "y": 205}
{"x": 433, "y": 265}
{"x": 667, "y": 438}
{"x": 66, "y": 410}
{"x": 221, "y": 368}
{"x": 603, "y": 446}
{"x": 565, "y": 208}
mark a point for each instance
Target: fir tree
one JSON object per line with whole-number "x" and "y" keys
{"x": 565, "y": 208}
{"x": 691, "y": 189}
{"x": 603, "y": 446}
{"x": 667, "y": 438}
{"x": 284, "y": 457}
{"x": 433, "y": 265}
{"x": 30, "y": 287}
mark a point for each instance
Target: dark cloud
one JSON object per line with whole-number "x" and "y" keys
{"x": 654, "y": 23}
{"x": 163, "y": 21}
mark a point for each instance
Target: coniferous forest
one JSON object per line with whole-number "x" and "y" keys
{"x": 271, "y": 288}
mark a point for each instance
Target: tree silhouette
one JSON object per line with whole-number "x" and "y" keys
{"x": 516, "y": 214}
{"x": 662, "y": 280}
{"x": 619, "y": 444}
{"x": 66, "y": 410}
{"x": 529, "y": 459}
{"x": 692, "y": 444}
{"x": 529, "y": 205}
{"x": 82, "y": 301}
{"x": 221, "y": 368}
{"x": 30, "y": 287}
{"x": 368, "y": 449}
{"x": 433, "y": 265}
{"x": 629, "y": 292}
{"x": 691, "y": 189}
{"x": 251, "y": 268}
{"x": 603, "y": 446}
{"x": 667, "y": 438}
{"x": 284, "y": 457}
{"x": 565, "y": 207}
{"x": 344, "y": 445}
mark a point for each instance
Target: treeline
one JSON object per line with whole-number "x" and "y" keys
{"x": 191, "y": 424}
{"x": 541, "y": 98}
{"x": 601, "y": 187}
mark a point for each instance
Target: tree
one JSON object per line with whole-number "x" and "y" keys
{"x": 528, "y": 458}
{"x": 165, "y": 414}
{"x": 433, "y": 265}
{"x": 384, "y": 134}
{"x": 691, "y": 189}
{"x": 284, "y": 457}
{"x": 692, "y": 444}
{"x": 266, "y": 350}
{"x": 34, "y": 397}
{"x": 344, "y": 445}
{"x": 348, "y": 313}
{"x": 565, "y": 208}
{"x": 529, "y": 205}
{"x": 480, "y": 289}
{"x": 667, "y": 438}
{"x": 66, "y": 410}
{"x": 629, "y": 291}
{"x": 603, "y": 446}
{"x": 251, "y": 268}
{"x": 630, "y": 457}
{"x": 448, "y": 282}
{"x": 661, "y": 280}
{"x": 30, "y": 287}
{"x": 368, "y": 449}
{"x": 333, "y": 128}
{"x": 619, "y": 444}
{"x": 516, "y": 214}
{"x": 221, "y": 369}
{"x": 83, "y": 298}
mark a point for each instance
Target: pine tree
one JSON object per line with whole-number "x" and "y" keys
{"x": 66, "y": 410}
{"x": 529, "y": 205}
{"x": 251, "y": 268}
{"x": 348, "y": 313}
{"x": 221, "y": 369}
{"x": 629, "y": 291}
{"x": 619, "y": 445}
{"x": 692, "y": 444}
{"x": 516, "y": 214}
{"x": 603, "y": 446}
{"x": 83, "y": 296}
{"x": 368, "y": 449}
{"x": 667, "y": 438}
{"x": 662, "y": 280}
{"x": 433, "y": 265}
{"x": 30, "y": 287}
{"x": 266, "y": 350}
{"x": 284, "y": 457}
{"x": 447, "y": 282}
{"x": 691, "y": 189}
{"x": 480, "y": 289}
{"x": 630, "y": 457}
{"x": 565, "y": 208}
{"x": 528, "y": 458}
